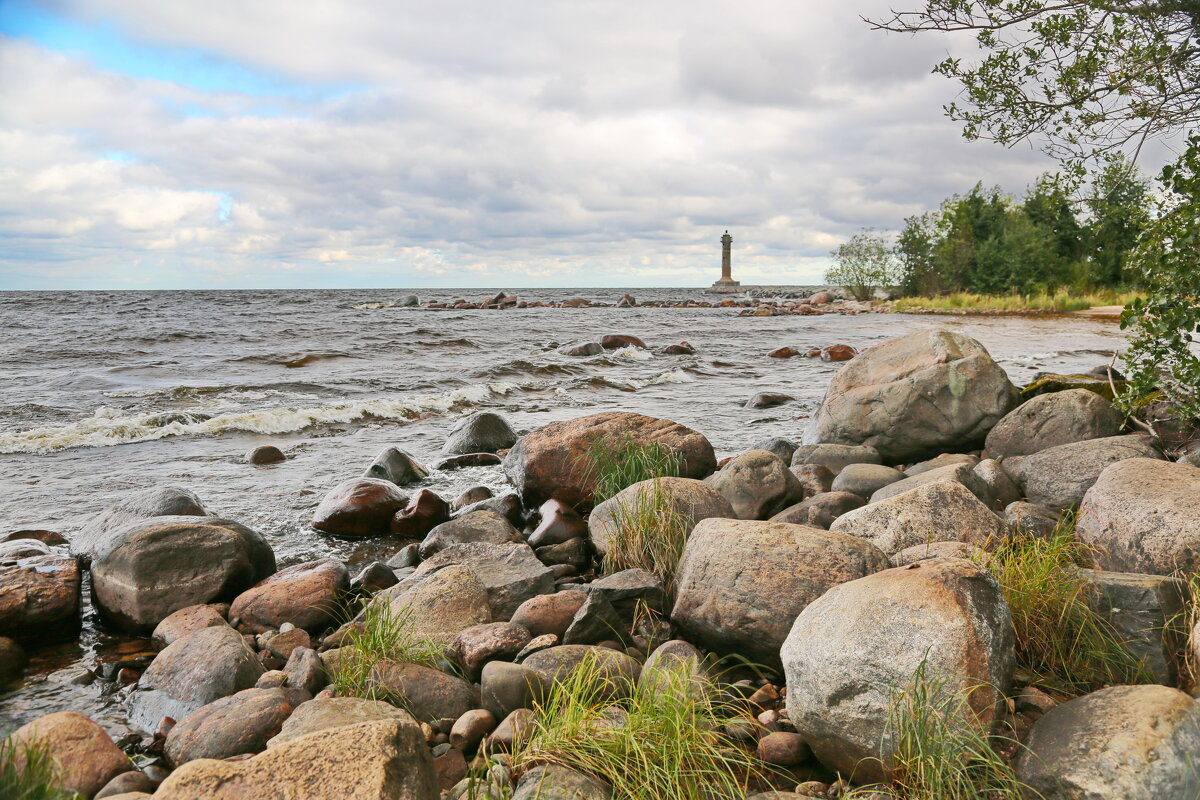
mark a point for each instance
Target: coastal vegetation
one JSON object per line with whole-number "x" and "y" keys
{"x": 1061, "y": 301}
{"x": 28, "y": 771}
{"x": 616, "y": 465}
{"x": 382, "y": 633}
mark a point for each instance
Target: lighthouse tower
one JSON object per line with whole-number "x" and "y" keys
{"x": 726, "y": 282}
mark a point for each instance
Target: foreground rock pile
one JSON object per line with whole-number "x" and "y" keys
{"x": 838, "y": 567}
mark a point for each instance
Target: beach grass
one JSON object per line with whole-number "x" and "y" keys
{"x": 620, "y": 464}
{"x": 385, "y": 634}
{"x": 663, "y": 741}
{"x": 649, "y": 533}
{"x": 939, "y": 754}
{"x": 28, "y": 771}
{"x": 1061, "y": 301}
{"x": 1063, "y": 643}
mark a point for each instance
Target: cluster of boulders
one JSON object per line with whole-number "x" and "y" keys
{"x": 840, "y": 567}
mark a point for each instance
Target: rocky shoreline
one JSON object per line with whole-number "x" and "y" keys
{"x": 814, "y": 579}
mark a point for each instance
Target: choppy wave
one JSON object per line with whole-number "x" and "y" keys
{"x": 633, "y": 384}
{"x": 111, "y": 426}
{"x": 240, "y": 393}
{"x": 522, "y": 367}
{"x": 294, "y": 360}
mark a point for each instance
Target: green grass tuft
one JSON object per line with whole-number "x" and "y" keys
{"x": 938, "y": 754}
{"x": 1063, "y": 643}
{"x": 28, "y": 771}
{"x": 668, "y": 747}
{"x": 617, "y": 466}
{"x": 649, "y": 533}
{"x": 386, "y": 634}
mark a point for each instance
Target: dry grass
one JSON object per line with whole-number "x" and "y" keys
{"x": 1061, "y": 301}
{"x": 649, "y": 533}
{"x": 615, "y": 466}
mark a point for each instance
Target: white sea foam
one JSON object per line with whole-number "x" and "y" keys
{"x": 111, "y": 426}
{"x": 632, "y": 353}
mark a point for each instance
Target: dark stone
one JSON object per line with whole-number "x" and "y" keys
{"x": 481, "y": 432}
{"x": 820, "y": 510}
{"x": 359, "y": 507}
{"x": 784, "y": 448}
{"x": 559, "y": 524}
{"x": 468, "y": 460}
{"x": 509, "y": 505}
{"x": 477, "y": 527}
{"x": 396, "y": 466}
{"x": 374, "y": 577}
{"x": 616, "y": 341}
{"x": 424, "y": 512}
{"x": 476, "y": 494}
{"x": 768, "y": 400}
{"x": 265, "y": 454}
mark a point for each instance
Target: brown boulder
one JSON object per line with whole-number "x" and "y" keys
{"x": 428, "y": 693}
{"x": 784, "y": 352}
{"x": 241, "y": 723}
{"x": 85, "y": 755}
{"x": 306, "y": 595}
{"x": 559, "y": 524}
{"x": 186, "y": 620}
{"x": 424, "y": 512}
{"x": 615, "y": 341}
{"x": 838, "y": 352}
{"x": 39, "y": 595}
{"x": 359, "y": 507}
{"x": 549, "y": 613}
{"x": 820, "y": 510}
{"x": 496, "y": 641}
{"x": 552, "y": 460}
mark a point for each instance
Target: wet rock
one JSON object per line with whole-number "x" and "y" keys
{"x": 865, "y": 479}
{"x": 692, "y": 499}
{"x": 475, "y": 494}
{"x": 424, "y": 512}
{"x": 486, "y": 527}
{"x": 784, "y": 448}
{"x": 203, "y": 666}
{"x": 327, "y": 713}
{"x": 39, "y": 596}
{"x": 468, "y": 460}
{"x": 784, "y": 352}
{"x": 849, "y": 648}
{"x": 367, "y": 761}
{"x": 629, "y": 589}
{"x": 963, "y": 473}
{"x": 479, "y": 644}
{"x": 86, "y": 756}
{"x": 838, "y": 352}
{"x": 241, "y": 723}
{"x": 814, "y": 479}
{"x": 307, "y": 595}
{"x": 429, "y": 694}
{"x": 581, "y": 349}
{"x": 768, "y": 400}
{"x": 305, "y": 670}
{"x": 507, "y": 505}
{"x": 615, "y": 672}
{"x": 441, "y": 604}
{"x": 156, "y": 501}
{"x": 22, "y": 548}
{"x": 935, "y": 512}
{"x": 1030, "y": 519}
{"x": 1143, "y": 515}
{"x": 616, "y": 341}
{"x": 999, "y": 485}
{"x": 819, "y": 511}
{"x": 1118, "y": 743}
{"x": 373, "y": 578}
{"x": 741, "y": 583}
{"x": 481, "y": 432}
{"x": 681, "y": 349}
{"x": 148, "y": 570}
{"x": 555, "y": 782}
{"x": 1058, "y": 477}
{"x": 552, "y": 460}
{"x": 575, "y": 553}
{"x": 12, "y": 661}
{"x": 927, "y": 392}
{"x": 359, "y": 507}
{"x": 471, "y": 727}
{"x": 504, "y": 687}
{"x": 265, "y": 454}
{"x": 757, "y": 484}
{"x": 835, "y": 457}
{"x": 549, "y": 613}
{"x": 395, "y": 466}
{"x": 559, "y": 524}
{"x": 1050, "y": 420}
{"x": 510, "y": 573}
{"x": 1143, "y": 610}
{"x": 187, "y": 620}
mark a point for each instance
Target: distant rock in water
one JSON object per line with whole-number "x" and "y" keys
{"x": 396, "y": 466}
{"x": 481, "y": 432}
{"x": 616, "y": 341}
{"x": 265, "y": 454}
{"x": 582, "y": 349}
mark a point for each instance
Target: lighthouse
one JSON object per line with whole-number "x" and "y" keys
{"x": 726, "y": 282}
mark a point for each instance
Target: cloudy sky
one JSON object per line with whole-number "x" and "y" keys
{"x": 375, "y": 143}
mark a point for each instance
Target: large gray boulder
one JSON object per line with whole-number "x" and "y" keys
{"x": 149, "y": 569}
{"x": 741, "y": 583}
{"x": 509, "y": 573}
{"x": 933, "y": 512}
{"x": 396, "y": 466}
{"x": 1144, "y": 610}
{"x": 192, "y": 672}
{"x": 757, "y": 484}
{"x": 155, "y": 501}
{"x": 919, "y": 395}
{"x": 1058, "y": 477}
{"x": 1049, "y": 420}
{"x": 1143, "y": 515}
{"x": 479, "y": 526}
{"x": 853, "y": 648}
{"x": 959, "y": 473}
{"x": 1120, "y": 743}
{"x": 694, "y": 500}
{"x": 482, "y": 432}
{"x": 552, "y": 461}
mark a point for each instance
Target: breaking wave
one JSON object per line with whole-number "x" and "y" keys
{"x": 111, "y": 426}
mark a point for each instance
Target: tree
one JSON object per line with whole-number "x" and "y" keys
{"x": 1120, "y": 212}
{"x": 1089, "y": 78}
{"x": 914, "y": 249}
{"x": 863, "y": 263}
{"x": 1166, "y": 325}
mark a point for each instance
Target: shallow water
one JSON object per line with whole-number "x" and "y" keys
{"x": 105, "y": 392}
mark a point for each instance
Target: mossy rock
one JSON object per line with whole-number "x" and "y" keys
{"x": 1050, "y": 382}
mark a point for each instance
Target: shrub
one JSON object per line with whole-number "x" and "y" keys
{"x": 1062, "y": 642}
{"x": 617, "y": 466}
{"x": 863, "y": 264}
{"x": 384, "y": 634}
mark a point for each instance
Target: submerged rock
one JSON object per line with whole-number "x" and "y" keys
{"x": 424, "y": 512}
